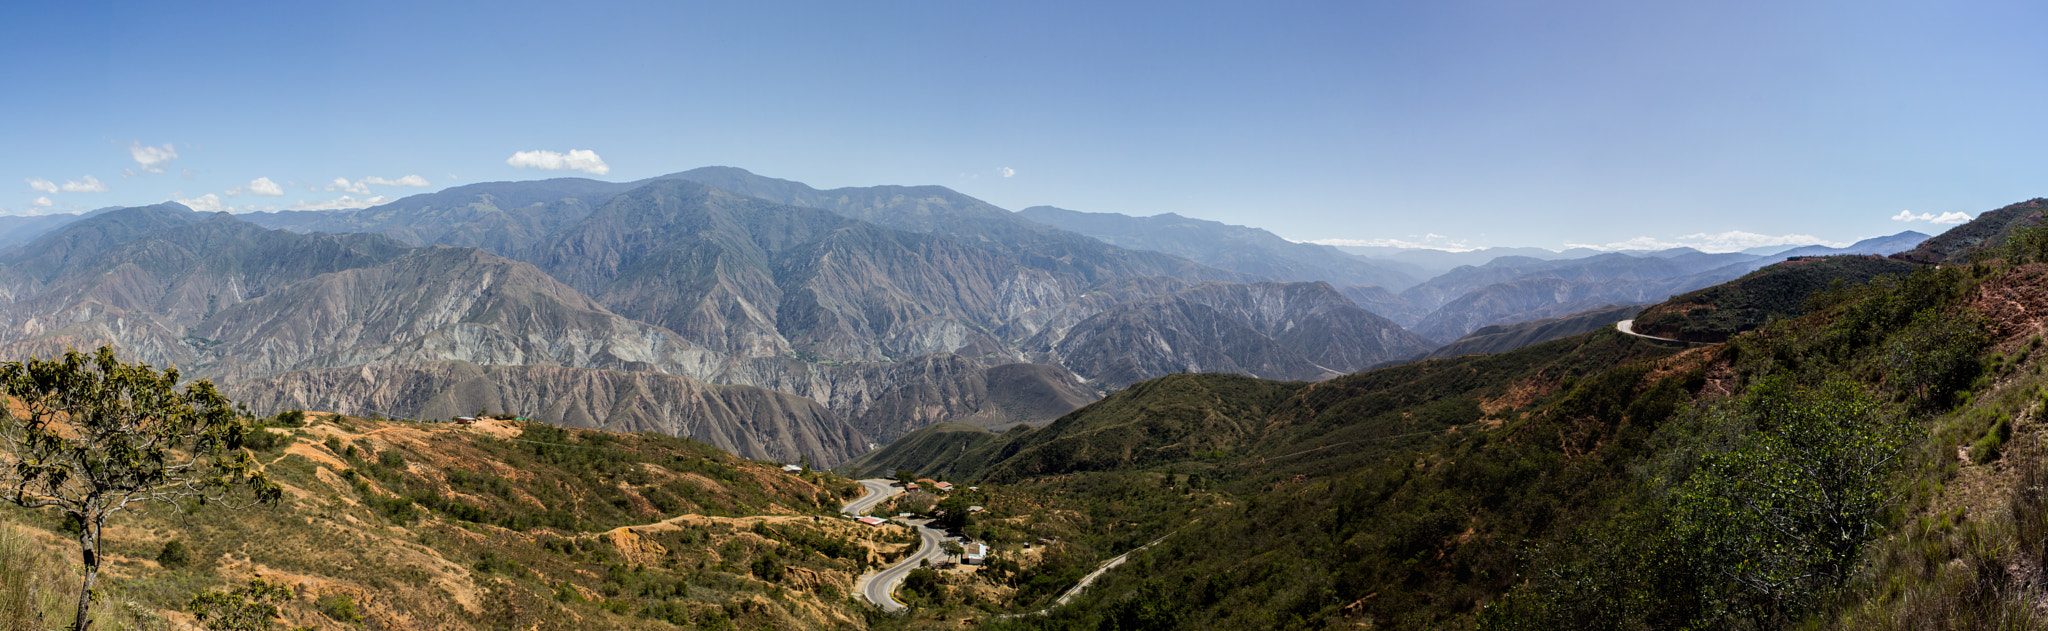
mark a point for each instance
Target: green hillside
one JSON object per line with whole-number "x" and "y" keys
{"x": 1716, "y": 313}
{"x": 1806, "y": 473}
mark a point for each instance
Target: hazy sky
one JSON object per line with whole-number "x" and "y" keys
{"x": 1487, "y": 123}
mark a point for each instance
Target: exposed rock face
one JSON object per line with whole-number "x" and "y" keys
{"x": 939, "y": 211}
{"x": 437, "y": 304}
{"x": 1287, "y": 331}
{"x": 937, "y": 388}
{"x": 745, "y": 420}
{"x": 753, "y": 278}
{"x": 1385, "y": 304}
{"x": 142, "y": 278}
{"x": 601, "y": 295}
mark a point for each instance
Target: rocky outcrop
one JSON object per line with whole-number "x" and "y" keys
{"x": 1286, "y": 331}
{"x": 753, "y": 278}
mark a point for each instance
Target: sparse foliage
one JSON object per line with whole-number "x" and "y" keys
{"x": 251, "y": 607}
{"x": 93, "y": 436}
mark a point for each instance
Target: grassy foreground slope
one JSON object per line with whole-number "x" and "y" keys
{"x": 1874, "y": 463}
{"x": 504, "y": 524}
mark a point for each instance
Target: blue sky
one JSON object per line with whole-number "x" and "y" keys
{"x": 1508, "y": 123}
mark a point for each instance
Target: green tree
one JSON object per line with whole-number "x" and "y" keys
{"x": 1782, "y": 515}
{"x": 1935, "y": 356}
{"x": 93, "y": 436}
{"x": 2027, "y": 244}
{"x": 953, "y": 549}
{"x": 251, "y": 607}
{"x": 955, "y": 514}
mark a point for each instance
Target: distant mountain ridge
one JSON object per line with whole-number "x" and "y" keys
{"x": 1237, "y": 248}
{"x": 590, "y": 291}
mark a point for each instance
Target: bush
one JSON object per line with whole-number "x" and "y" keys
{"x": 1784, "y": 513}
{"x": 340, "y": 608}
{"x": 174, "y": 555}
{"x": 251, "y": 607}
{"x": 1988, "y": 448}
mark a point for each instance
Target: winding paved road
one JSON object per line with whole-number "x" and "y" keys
{"x": 880, "y": 588}
{"x": 878, "y": 490}
{"x": 1629, "y": 327}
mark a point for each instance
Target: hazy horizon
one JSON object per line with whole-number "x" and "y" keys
{"x": 1448, "y": 125}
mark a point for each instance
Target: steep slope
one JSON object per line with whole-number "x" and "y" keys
{"x": 73, "y": 247}
{"x": 1987, "y": 231}
{"x": 746, "y": 420}
{"x": 433, "y": 304}
{"x": 1717, "y": 313}
{"x": 953, "y": 389}
{"x": 1385, "y": 304}
{"x": 1436, "y": 292}
{"x": 1288, "y": 331}
{"x": 1532, "y": 299}
{"x": 941, "y": 211}
{"x": 754, "y": 278}
{"x": 17, "y": 230}
{"x": 502, "y": 217}
{"x": 499, "y": 525}
{"x": 1501, "y": 338}
{"x": 144, "y": 278}
{"x": 1236, "y": 248}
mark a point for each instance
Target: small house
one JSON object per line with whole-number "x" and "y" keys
{"x": 974, "y": 553}
{"x": 793, "y": 468}
{"x": 946, "y": 487}
{"x": 465, "y": 420}
{"x": 871, "y": 521}
{"x": 911, "y": 486}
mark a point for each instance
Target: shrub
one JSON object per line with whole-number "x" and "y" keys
{"x": 340, "y": 608}
{"x": 1784, "y": 514}
{"x": 174, "y": 555}
{"x": 251, "y": 607}
{"x": 1987, "y": 448}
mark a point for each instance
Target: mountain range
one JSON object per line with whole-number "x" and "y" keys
{"x": 614, "y": 299}
{"x": 888, "y": 307}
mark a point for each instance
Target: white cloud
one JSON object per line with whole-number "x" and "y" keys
{"x": 410, "y": 180}
{"x": 359, "y": 187}
{"x": 41, "y": 184}
{"x": 42, "y": 202}
{"x": 208, "y": 203}
{"x": 1948, "y": 217}
{"x": 88, "y": 185}
{"x": 259, "y": 186}
{"x": 1006, "y": 171}
{"x": 1730, "y": 241}
{"x": 1430, "y": 241}
{"x": 583, "y": 160}
{"x": 362, "y": 186}
{"x": 152, "y": 159}
{"x": 343, "y": 203}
